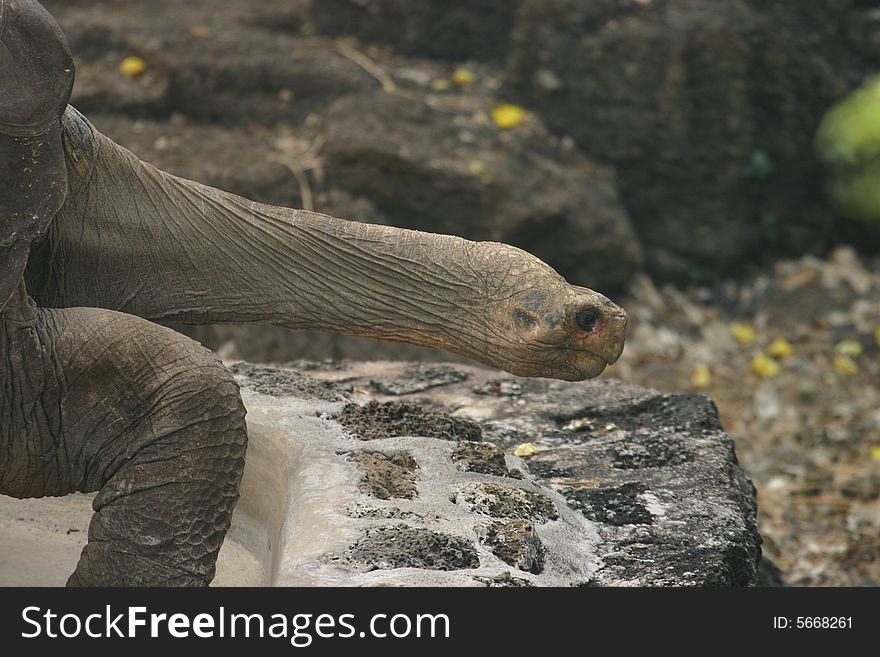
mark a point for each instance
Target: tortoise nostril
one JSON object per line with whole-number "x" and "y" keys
{"x": 587, "y": 318}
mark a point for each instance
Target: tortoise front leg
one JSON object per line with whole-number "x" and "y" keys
{"x": 150, "y": 419}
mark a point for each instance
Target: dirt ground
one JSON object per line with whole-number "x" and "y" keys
{"x": 791, "y": 357}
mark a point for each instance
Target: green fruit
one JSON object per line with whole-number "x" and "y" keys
{"x": 848, "y": 143}
{"x": 849, "y": 133}
{"x": 856, "y": 192}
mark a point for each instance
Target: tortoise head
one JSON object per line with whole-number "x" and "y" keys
{"x": 546, "y": 327}
{"x": 36, "y": 77}
{"x": 36, "y": 68}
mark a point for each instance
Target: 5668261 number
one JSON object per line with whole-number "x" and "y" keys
{"x": 823, "y": 622}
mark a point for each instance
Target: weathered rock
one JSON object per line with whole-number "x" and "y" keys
{"x": 484, "y": 458}
{"x": 517, "y": 543}
{"x": 263, "y": 87}
{"x": 656, "y": 473}
{"x": 502, "y": 501}
{"x": 206, "y": 63}
{"x": 387, "y": 477}
{"x": 850, "y": 25}
{"x": 707, "y": 109}
{"x": 422, "y": 377}
{"x": 283, "y": 382}
{"x": 632, "y": 465}
{"x": 361, "y": 510}
{"x": 390, "y": 419}
{"x": 477, "y": 29}
{"x": 508, "y": 388}
{"x": 582, "y": 514}
{"x": 619, "y": 506}
{"x": 505, "y": 580}
{"x": 464, "y": 176}
{"x": 397, "y": 546}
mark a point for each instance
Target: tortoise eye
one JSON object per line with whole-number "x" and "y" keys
{"x": 524, "y": 320}
{"x": 587, "y": 319}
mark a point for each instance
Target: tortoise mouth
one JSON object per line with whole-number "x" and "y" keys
{"x": 586, "y": 364}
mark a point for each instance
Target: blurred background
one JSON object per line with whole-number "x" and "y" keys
{"x": 712, "y": 166}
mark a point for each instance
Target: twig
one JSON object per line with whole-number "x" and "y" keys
{"x": 368, "y": 65}
{"x": 298, "y": 161}
{"x": 302, "y": 181}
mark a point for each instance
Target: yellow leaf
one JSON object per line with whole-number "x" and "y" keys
{"x": 463, "y": 77}
{"x": 780, "y": 348}
{"x": 579, "y": 424}
{"x": 477, "y": 168}
{"x": 851, "y": 348}
{"x": 875, "y": 453}
{"x": 131, "y": 67}
{"x": 440, "y": 84}
{"x": 743, "y": 333}
{"x": 845, "y": 365}
{"x": 481, "y": 171}
{"x": 765, "y": 366}
{"x": 508, "y": 116}
{"x": 525, "y": 450}
{"x": 702, "y": 377}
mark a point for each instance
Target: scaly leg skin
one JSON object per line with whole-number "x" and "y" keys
{"x": 149, "y": 418}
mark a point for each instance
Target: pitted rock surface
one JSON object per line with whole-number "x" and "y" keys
{"x": 617, "y": 506}
{"x": 505, "y": 580}
{"x": 485, "y": 458}
{"x": 628, "y": 486}
{"x": 651, "y": 453}
{"x": 501, "y": 501}
{"x": 386, "y": 513}
{"x": 517, "y": 543}
{"x": 281, "y": 382}
{"x": 387, "y": 477}
{"x": 656, "y": 474}
{"x": 420, "y": 378}
{"x": 390, "y": 419}
{"x": 398, "y": 546}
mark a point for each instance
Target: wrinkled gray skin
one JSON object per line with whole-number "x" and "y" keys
{"x": 96, "y": 397}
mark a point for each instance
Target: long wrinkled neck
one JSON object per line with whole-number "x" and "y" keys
{"x": 138, "y": 240}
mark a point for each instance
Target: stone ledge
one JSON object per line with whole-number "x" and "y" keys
{"x": 628, "y": 487}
